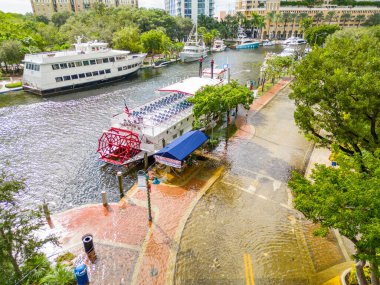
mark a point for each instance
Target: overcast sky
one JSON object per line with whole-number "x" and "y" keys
{"x": 24, "y": 6}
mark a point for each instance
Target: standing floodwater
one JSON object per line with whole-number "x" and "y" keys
{"x": 52, "y": 142}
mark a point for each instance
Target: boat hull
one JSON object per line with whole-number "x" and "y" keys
{"x": 247, "y": 46}
{"x": 77, "y": 87}
{"x": 190, "y": 57}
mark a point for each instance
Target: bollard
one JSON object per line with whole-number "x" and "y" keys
{"x": 104, "y": 198}
{"x": 88, "y": 243}
{"x": 81, "y": 274}
{"x": 212, "y": 68}
{"x": 45, "y": 207}
{"x": 145, "y": 161}
{"x": 120, "y": 179}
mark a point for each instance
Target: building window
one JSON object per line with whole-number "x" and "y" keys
{"x": 58, "y": 79}
{"x": 66, "y": 77}
{"x": 75, "y": 76}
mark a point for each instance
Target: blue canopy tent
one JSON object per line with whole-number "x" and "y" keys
{"x": 174, "y": 153}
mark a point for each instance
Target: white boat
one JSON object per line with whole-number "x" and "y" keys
{"x": 218, "y": 46}
{"x": 267, "y": 43}
{"x": 150, "y": 127}
{"x": 246, "y": 43}
{"x": 293, "y": 41}
{"x": 194, "y": 48}
{"x": 288, "y": 51}
{"x": 90, "y": 64}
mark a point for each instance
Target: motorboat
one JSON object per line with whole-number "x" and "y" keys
{"x": 218, "y": 46}
{"x": 194, "y": 48}
{"x": 246, "y": 43}
{"x": 268, "y": 43}
{"x": 293, "y": 41}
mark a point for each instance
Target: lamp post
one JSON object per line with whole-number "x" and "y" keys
{"x": 143, "y": 184}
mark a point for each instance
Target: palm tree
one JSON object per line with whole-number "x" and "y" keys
{"x": 293, "y": 18}
{"x": 330, "y": 15}
{"x": 285, "y": 18}
{"x": 360, "y": 19}
{"x": 278, "y": 19}
{"x": 318, "y": 17}
{"x": 260, "y": 24}
{"x": 270, "y": 18}
{"x": 345, "y": 17}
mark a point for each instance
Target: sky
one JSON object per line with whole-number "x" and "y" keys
{"x": 24, "y": 6}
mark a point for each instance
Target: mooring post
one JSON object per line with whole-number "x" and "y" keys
{"x": 145, "y": 161}
{"x": 121, "y": 188}
{"x": 45, "y": 207}
{"x": 104, "y": 198}
{"x": 212, "y": 68}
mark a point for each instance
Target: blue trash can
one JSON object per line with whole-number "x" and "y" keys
{"x": 333, "y": 163}
{"x": 81, "y": 274}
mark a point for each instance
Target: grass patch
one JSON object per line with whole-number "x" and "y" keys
{"x": 14, "y": 84}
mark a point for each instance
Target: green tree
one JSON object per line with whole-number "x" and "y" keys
{"x": 318, "y": 17}
{"x": 154, "y": 41}
{"x": 317, "y": 35}
{"x": 285, "y": 19}
{"x": 372, "y": 20}
{"x": 305, "y": 23}
{"x": 212, "y": 101}
{"x": 11, "y": 53}
{"x": 334, "y": 93}
{"x": 330, "y": 16}
{"x": 360, "y": 19}
{"x": 18, "y": 228}
{"x": 60, "y": 18}
{"x": 59, "y": 275}
{"x": 127, "y": 39}
{"x": 347, "y": 199}
{"x": 345, "y": 17}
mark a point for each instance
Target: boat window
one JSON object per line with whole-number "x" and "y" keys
{"x": 55, "y": 66}
{"x": 118, "y": 58}
{"x": 85, "y": 62}
{"x": 112, "y": 59}
{"x": 66, "y": 77}
{"x": 101, "y": 72}
{"x": 175, "y": 136}
{"x": 63, "y": 65}
{"x": 36, "y": 67}
{"x": 78, "y": 63}
{"x": 88, "y": 74}
{"x": 105, "y": 60}
{"x": 92, "y": 61}
{"x": 119, "y": 68}
{"x": 129, "y": 66}
{"x": 71, "y": 64}
{"x": 108, "y": 70}
{"x": 124, "y": 67}
{"x": 99, "y": 61}
{"x": 95, "y": 73}
{"x": 74, "y": 76}
{"x": 81, "y": 75}
{"x": 58, "y": 79}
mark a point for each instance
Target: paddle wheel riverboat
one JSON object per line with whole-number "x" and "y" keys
{"x": 148, "y": 128}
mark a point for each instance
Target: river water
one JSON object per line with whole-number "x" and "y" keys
{"x": 52, "y": 142}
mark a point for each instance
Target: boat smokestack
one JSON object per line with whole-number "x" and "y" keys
{"x": 212, "y": 68}
{"x": 200, "y": 66}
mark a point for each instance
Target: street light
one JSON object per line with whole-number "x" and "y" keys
{"x": 143, "y": 184}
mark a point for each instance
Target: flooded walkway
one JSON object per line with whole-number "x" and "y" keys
{"x": 248, "y": 216}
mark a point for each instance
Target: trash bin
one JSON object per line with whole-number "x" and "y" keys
{"x": 81, "y": 274}
{"x": 333, "y": 163}
{"x": 88, "y": 243}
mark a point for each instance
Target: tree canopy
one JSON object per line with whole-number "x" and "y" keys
{"x": 336, "y": 89}
{"x": 317, "y": 35}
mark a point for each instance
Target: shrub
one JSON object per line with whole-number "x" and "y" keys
{"x": 14, "y": 84}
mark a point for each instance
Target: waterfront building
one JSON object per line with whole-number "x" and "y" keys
{"x": 190, "y": 8}
{"x": 49, "y": 7}
{"x": 284, "y": 21}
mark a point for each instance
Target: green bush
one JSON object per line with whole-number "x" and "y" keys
{"x": 14, "y": 84}
{"x": 352, "y": 275}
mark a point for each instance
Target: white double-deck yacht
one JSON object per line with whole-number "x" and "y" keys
{"x": 194, "y": 48}
{"x": 146, "y": 129}
{"x": 218, "y": 46}
{"x": 294, "y": 41}
{"x": 90, "y": 64}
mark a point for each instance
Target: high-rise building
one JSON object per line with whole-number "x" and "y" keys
{"x": 49, "y": 7}
{"x": 190, "y": 8}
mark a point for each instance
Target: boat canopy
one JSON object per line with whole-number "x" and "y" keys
{"x": 217, "y": 71}
{"x": 190, "y": 85}
{"x": 183, "y": 146}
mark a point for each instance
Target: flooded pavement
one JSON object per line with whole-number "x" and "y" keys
{"x": 248, "y": 215}
{"x": 52, "y": 142}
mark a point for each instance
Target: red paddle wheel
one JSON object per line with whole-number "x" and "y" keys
{"x": 117, "y": 146}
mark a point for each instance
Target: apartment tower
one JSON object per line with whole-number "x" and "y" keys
{"x": 190, "y": 8}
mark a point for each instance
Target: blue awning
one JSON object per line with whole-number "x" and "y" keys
{"x": 182, "y": 147}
